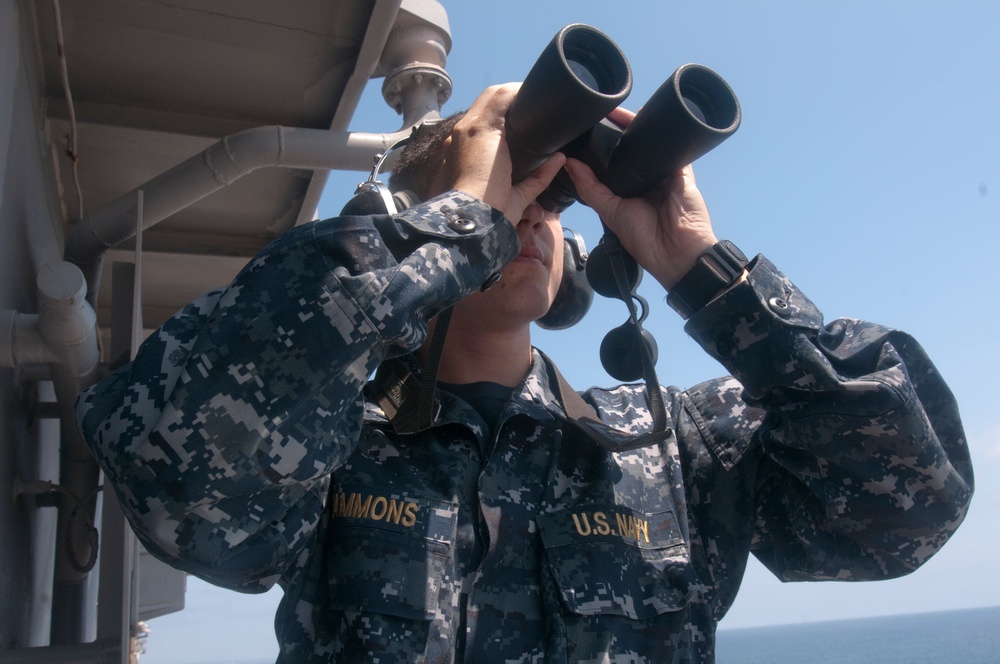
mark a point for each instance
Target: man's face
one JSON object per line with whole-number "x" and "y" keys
{"x": 529, "y": 283}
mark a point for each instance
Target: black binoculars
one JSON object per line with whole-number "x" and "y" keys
{"x": 580, "y": 77}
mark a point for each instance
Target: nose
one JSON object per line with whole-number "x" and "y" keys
{"x": 532, "y": 216}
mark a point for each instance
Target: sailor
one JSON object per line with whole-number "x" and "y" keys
{"x": 249, "y": 446}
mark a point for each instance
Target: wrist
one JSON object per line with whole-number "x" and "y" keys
{"x": 714, "y": 271}
{"x": 682, "y": 262}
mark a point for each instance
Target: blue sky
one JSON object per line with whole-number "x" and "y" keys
{"x": 867, "y": 167}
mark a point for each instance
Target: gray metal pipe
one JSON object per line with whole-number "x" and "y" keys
{"x": 63, "y": 336}
{"x": 43, "y": 524}
{"x": 21, "y": 341}
{"x": 217, "y": 166}
{"x": 68, "y": 326}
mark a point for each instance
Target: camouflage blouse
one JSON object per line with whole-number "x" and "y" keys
{"x": 243, "y": 449}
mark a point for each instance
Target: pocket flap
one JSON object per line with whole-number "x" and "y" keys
{"x": 388, "y": 554}
{"x": 611, "y": 560}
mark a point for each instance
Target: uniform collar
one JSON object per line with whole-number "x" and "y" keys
{"x": 534, "y": 397}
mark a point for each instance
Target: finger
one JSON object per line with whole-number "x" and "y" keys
{"x": 687, "y": 173}
{"x": 492, "y": 104}
{"x": 542, "y": 176}
{"x": 529, "y": 188}
{"x": 591, "y": 190}
{"x": 621, "y": 116}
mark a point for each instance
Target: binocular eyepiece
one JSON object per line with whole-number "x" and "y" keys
{"x": 580, "y": 77}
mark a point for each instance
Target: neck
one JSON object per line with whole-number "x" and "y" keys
{"x": 472, "y": 354}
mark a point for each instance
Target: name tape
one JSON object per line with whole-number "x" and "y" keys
{"x": 373, "y": 507}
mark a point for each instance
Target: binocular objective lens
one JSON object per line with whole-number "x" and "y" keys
{"x": 694, "y": 109}
{"x": 596, "y": 62}
{"x": 708, "y": 98}
{"x": 584, "y": 74}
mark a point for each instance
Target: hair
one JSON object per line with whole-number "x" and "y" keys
{"x": 416, "y": 166}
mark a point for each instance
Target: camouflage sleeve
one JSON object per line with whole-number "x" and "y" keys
{"x": 220, "y": 435}
{"x": 866, "y": 470}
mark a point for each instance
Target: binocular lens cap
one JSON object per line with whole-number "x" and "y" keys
{"x": 621, "y": 356}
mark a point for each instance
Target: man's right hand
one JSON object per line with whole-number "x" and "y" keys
{"x": 476, "y": 159}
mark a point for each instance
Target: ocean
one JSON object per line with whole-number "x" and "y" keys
{"x": 970, "y": 636}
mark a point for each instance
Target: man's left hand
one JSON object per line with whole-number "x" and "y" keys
{"x": 665, "y": 229}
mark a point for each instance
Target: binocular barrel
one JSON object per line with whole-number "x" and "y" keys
{"x": 691, "y": 113}
{"x": 579, "y": 78}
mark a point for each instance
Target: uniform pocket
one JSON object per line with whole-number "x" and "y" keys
{"x": 615, "y": 561}
{"x": 387, "y": 553}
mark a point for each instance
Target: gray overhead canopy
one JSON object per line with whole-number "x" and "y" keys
{"x": 155, "y": 82}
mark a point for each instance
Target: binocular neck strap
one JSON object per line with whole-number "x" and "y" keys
{"x": 617, "y": 256}
{"x": 428, "y": 378}
{"x": 583, "y": 416}
{"x": 409, "y": 403}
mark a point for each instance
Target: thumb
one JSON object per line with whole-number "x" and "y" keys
{"x": 592, "y": 191}
{"x": 530, "y": 187}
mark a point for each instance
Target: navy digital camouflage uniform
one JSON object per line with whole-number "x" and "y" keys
{"x": 243, "y": 450}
